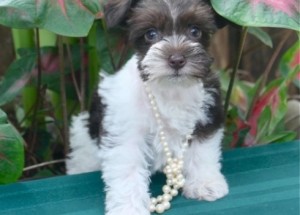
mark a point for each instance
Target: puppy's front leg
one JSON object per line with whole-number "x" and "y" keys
{"x": 126, "y": 177}
{"x": 204, "y": 181}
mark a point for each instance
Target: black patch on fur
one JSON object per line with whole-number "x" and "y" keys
{"x": 96, "y": 113}
{"x": 116, "y": 12}
{"x": 144, "y": 75}
{"x": 214, "y": 112}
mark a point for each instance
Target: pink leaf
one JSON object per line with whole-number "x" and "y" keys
{"x": 270, "y": 98}
{"x": 296, "y": 60}
{"x": 286, "y": 6}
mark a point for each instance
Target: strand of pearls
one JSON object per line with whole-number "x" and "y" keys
{"x": 173, "y": 168}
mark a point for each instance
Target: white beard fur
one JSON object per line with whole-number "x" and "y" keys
{"x": 130, "y": 151}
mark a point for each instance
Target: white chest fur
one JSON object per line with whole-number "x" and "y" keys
{"x": 181, "y": 104}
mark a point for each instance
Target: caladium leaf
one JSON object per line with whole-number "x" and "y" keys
{"x": 11, "y": 152}
{"x": 260, "y": 13}
{"x": 64, "y": 17}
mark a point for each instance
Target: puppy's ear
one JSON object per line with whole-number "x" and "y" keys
{"x": 219, "y": 20}
{"x": 116, "y": 11}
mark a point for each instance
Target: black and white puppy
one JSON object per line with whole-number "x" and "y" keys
{"x": 119, "y": 136}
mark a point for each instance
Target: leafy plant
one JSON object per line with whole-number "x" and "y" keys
{"x": 259, "y": 121}
{"x": 257, "y": 112}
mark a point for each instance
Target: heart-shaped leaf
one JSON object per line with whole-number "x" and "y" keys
{"x": 260, "y": 13}
{"x": 11, "y": 152}
{"x": 64, "y": 17}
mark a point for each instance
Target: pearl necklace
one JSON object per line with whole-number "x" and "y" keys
{"x": 173, "y": 168}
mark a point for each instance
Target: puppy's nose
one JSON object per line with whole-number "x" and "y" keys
{"x": 177, "y": 61}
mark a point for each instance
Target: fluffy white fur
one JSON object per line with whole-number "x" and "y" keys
{"x": 131, "y": 150}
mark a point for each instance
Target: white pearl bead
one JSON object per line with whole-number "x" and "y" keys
{"x": 168, "y": 154}
{"x": 166, "y": 205}
{"x": 152, "y": 208}
{"x": 160, "y": 208}
{"x": 174, "y": 192}
{"x": 179, "y": 177}
{"x": 175, "y": 170}
{"x": 153, "y": 200}
{"x": 168, "y": 170}
{"x": 166, "y": 189}
{"x": 159, "y": 198}
{"x": 180, "y": 184}
{"x": 166, "y": 149}
{"x": 174, "y": 181}
{"x": 169, "y": 182}
{"x": 162, "y": 138}
{"x": 167, "y": 197}
{"x": 176, "y": 186}
{"x": 169, "y": 176}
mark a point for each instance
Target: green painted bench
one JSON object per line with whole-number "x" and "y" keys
{"x": 263, "y": 180}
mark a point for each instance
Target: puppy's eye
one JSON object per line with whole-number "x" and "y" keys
{"x": 152, "y": 35}
{"x": 195, "y": 32}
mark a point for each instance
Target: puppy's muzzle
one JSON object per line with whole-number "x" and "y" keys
{"x": 177, "y": 61}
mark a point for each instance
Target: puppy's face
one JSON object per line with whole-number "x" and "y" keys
{"x": 170, "y": 36}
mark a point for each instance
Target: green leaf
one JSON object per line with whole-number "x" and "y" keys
{"x": 263, "y": 123}
{"x": 260, "y": 34}
{"x": 11, "y": 152}
{"x": 16, "y": 77}
{"x": 259, "y": 13}
{"x": 279, "y": 137}
{"x": 290, "y": 61}
{"x": 64, "y": 17}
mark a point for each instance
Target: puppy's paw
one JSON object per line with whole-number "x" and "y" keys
{"x": 209, "y": 189}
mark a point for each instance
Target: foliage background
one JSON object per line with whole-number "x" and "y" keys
{"x": 47, "y": 77}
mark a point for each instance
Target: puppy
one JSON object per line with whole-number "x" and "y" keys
{"x": 120, "y": 135}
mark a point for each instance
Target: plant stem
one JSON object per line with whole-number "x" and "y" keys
{"x": 63, "y": 93}
{"x": 234, "y": 72}
{"x": 43, "y": 164}
{"x": 25, "y": 39}
{"x": 266, "y": 74}
{"x": 38, "y": 91}
{"x": 82, "y": 75}
{"x": 77, "y": 90}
